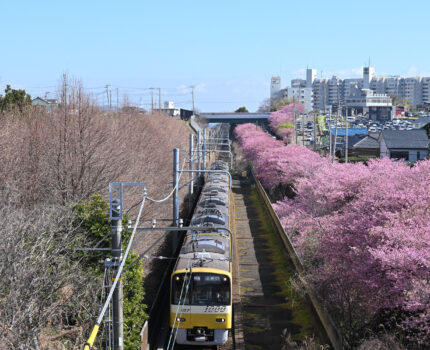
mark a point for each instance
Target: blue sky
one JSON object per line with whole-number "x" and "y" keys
{"x": 227, "y": 49}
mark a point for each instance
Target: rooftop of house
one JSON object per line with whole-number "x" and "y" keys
{"x": 408, "y": 139}
{"x": 422, "y": 120}
{"x": 47, "y": 101}
{"x": 367, "y": 142}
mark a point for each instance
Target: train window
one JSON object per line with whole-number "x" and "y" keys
{"x": 180, "y": 286}
{"x": 210, "y": 245}
{"x": 204, "y": 289}
{"x": 210, "y": 289}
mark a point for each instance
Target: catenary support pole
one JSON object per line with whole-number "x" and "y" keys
{"x": 117, "y": 297}
{"x": 199, "y": 162}
{"x": 175, "y": 194}
{"x": 204, "y": 149}
{"x": 191, "y": 188}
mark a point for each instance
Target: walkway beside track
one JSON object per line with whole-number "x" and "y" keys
{"x": 269, "y": 303}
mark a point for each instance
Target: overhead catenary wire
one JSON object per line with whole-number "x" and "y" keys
{"x": 173, "y": 190}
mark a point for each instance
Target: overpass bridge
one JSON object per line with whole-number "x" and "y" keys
{"x": 236, "y": 118}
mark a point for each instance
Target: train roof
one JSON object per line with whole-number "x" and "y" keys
{"x": 203, "y": 260}
{"x": 209, "y": 249}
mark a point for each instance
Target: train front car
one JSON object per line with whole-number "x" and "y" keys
{"x": 201, "y": 284}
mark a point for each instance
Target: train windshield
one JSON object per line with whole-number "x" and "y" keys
{"x": 204, "y": 289}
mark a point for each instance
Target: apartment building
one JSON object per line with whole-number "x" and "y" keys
{"x": 425, "y": 86}
{"x": 329, "y": 94}
{"x": 411, "y": 90}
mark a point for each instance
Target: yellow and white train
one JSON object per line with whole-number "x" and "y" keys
{"x": 201, "y": 282}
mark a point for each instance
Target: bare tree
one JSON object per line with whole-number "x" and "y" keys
{"x": 41, "y": 281}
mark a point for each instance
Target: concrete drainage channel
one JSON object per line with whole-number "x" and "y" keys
{"x": 273, "y": 313}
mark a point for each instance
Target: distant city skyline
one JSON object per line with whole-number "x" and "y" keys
{"x": 227, "y": 50}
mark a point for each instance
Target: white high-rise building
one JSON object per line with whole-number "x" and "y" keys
{"x": 301, "y": 95}
{"x": 275, "y": 87}
{"x": 368, "y": 74}
{"x": 412, "y": 90}
{"x": 425, "y": 82}
{"x": 311, "y": 74}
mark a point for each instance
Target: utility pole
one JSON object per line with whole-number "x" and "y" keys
{"x": 329, "y": 129}
{"x": 159, "y": 99}
{"x": 192, "y": 95}
{"x": 152, "y": 100}
{"x": 335, "y": 137}
{"x": 110, "y": 99}
{"x": 294, "y": 115}
{"x": 107, "y": 94}
{"x": 315, "y": 127}
{"x": 117, "y": 100}
{"x": 346, "y": 138}
{"x": 118, "y": 321}
{"x": 303, "y": 130}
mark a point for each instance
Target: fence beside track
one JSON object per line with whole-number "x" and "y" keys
{"x": 332, "y": 332}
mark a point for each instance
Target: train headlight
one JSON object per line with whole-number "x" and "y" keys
{"x": 180, "y": 319}
{"x": 220, "y": 319}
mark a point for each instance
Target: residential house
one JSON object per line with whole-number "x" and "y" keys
{"x": 367, "y": 146}
{"x": 422, "y": 123}
{"x": 410, "y": 145}
{"x": 49, "y": 104}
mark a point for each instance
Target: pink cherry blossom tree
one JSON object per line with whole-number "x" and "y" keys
{"x": 281, "y": 122}
{"x": 362, "y": 231}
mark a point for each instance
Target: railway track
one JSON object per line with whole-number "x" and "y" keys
{"x": 264, "y": 301}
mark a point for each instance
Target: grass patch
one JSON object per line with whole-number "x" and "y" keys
{"x": 253, "y": 330}
{"x": 248, "y": 315}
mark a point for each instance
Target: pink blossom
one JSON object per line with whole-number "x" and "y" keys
{"x": 363, "y": 231}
